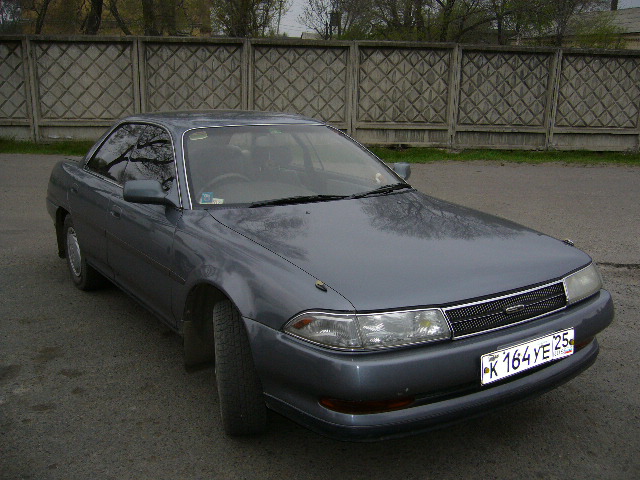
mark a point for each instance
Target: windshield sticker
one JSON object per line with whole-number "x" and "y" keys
{"x": 207, "y": 198}
{"x": 200, "y": 135}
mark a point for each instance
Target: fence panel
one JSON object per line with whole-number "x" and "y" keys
{"x": 402, "y": 94}
{"x": 506, "y": 89}
{"x": 309, "y": 80}
{"x": 503, "y": 98}
{"x": 598, "y": 102}
{"x": 13, "y": 97}
{"x": 84, "y": 81}
{"x": 184, "y": 76}
{"x": 403, "y": 86}
{"x": 14, "y": 112}
{"x": 81, "y": 86}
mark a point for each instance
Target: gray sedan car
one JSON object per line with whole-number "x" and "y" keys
{"x": 321, "y": 284}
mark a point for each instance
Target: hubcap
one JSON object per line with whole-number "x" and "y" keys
{"x": 73, "y": 252}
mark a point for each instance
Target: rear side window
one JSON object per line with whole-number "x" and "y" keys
{"x": 111, "y": 158}
{"x": 152, "y": 159}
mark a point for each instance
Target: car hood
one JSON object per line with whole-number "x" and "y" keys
{"x": 405, "y": 249}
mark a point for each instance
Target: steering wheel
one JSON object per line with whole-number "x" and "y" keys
{"x": 224, "y": 178}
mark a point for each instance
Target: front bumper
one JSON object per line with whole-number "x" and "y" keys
{"x": 444, "y": 377}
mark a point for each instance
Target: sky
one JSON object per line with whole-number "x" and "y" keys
{"x": 290, "y": 23}
{"x": 294, "y": 28}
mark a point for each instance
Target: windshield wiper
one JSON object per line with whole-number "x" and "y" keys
{"x": 384, "y": 190}
{"x": 298, "y": 199}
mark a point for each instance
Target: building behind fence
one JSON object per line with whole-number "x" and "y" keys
{"x": 444, "y": 95}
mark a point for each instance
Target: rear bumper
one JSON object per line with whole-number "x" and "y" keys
{"x": 295, "y": 375}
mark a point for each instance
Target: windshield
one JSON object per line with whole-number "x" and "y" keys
{"x": 251, "y": 164}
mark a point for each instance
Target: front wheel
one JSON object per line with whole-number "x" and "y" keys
{"x": 84, "y": 276}
{"x": 242, "y": 406}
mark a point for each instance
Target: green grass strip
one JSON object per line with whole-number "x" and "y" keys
{"x": 427, "y": 155}
{"x": 62, "y": 147}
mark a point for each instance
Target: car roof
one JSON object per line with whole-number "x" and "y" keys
{"x": 185, "y": 120}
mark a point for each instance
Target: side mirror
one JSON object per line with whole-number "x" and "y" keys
{"x": 145, "y": 191}
{"x": 403, "y": 169}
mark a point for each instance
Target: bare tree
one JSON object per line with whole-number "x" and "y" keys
{"x": 113, "y": 9}
{"x": 446, "y": 16}
{"x": 500, "y": 11}
{"x": 149, "y": 18}
{"x": 561, "y": 12}
{"x": 468, "y": 16}
{"x": 354, "y": 17}
{"x": 92, "y": 21}
{"x": 40, "y": 7}
{"x": 168, "y": 10}
{"x": 403, "y": 20}
{"x": 315, "y": 15}
{"x": 247, "y": 18}
{"x": 10, "y": 13}
{"x": 513, "y": 19}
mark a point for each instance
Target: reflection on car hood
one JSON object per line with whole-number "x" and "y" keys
{"x": 406, "y": 249}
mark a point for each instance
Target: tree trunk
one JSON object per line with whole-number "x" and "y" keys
{"x": 501, "y": 40}
{"x": 447, "y": 10}
{"x": 421, "y": 29}
{"x": 113, "y": 8}
{"x": 204, "y": 14}
{"x": 91, "y": 24}
{"x": 168, "y": 12}
{"x": 149, "y": 18}
{"x": 41, "y": 14}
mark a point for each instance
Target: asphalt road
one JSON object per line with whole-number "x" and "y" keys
{"x": 93, "y": 387}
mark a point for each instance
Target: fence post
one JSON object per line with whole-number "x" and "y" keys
{"x": 455, "y": 70}
{"x": 637, "y": 149}
{"x": 352, "y": 88}
{"x": 140, "y": 75}
{"x": 553, "y": 93}
{"x": 33, "y": 98}
{"x": 247, "y": 59}
{"x": 135, "y": 74}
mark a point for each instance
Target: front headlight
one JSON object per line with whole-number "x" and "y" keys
{"x": 582, "y": 284}
{"x": 370, "y": 331}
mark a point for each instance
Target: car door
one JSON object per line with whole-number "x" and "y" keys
{"x": 139, "y": 236}
{"x": 90, "y": 195}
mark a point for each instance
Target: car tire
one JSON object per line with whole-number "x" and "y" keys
{"x": 240, "y": 395}
{"x": 84, "y": 276}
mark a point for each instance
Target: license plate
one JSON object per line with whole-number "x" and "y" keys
{"x": 513, "y": 360}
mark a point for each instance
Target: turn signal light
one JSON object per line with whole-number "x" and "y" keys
{"x": 352, "y": 407}
{"x": 584, "y": 343}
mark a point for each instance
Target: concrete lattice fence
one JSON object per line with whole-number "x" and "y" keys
{"x": 446, "y": 95}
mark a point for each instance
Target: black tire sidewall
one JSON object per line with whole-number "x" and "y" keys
{"x": 240, "y": 393}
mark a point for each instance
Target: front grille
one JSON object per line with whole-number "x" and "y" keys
{"x": 492, "y": 314}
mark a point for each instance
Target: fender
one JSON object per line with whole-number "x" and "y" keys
{"x": 264, "y": 286}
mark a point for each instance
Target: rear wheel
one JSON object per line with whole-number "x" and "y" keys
{"x": 242, "y": 406}
{"x": 83, "y": 275}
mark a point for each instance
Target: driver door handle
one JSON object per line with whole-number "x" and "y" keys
{"x": 116, "y": 212}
